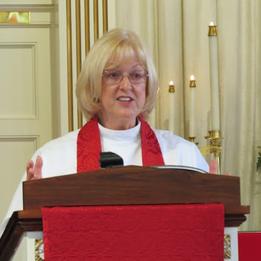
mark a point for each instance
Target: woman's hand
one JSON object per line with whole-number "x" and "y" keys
{"x": 34, "y": 171}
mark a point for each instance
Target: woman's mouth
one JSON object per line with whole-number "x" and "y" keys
{"x": 124, "y": 99}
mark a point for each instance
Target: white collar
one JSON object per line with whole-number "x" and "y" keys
{"x": 131, "y": 134}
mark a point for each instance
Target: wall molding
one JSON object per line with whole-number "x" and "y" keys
{"x": 27, "y": 7}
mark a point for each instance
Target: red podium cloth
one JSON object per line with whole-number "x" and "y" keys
{"x": 249, "y": 244}
{"x": 150, "y": 232}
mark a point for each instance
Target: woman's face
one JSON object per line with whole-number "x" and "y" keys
{"x": 123, "y": 94}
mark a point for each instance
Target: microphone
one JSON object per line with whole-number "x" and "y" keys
{"x": 110, "y": 159}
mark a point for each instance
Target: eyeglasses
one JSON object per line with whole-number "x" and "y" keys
{"x": 115, "y": 77}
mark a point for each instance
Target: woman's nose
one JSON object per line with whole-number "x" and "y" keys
{"x": 125, "y": 82}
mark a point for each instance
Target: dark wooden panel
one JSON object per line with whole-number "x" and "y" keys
{"x": 132, "y": 185}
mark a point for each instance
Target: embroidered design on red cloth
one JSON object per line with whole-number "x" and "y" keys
{"x": 89, "y": 146}
{"x": 151, "y": 232}
{"x": 151, "y": 152}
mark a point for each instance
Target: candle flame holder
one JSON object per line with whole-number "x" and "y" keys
{"x": 212, "y": 30}
{"x": 172, "y": 89}
{"x": 192, "y": 84}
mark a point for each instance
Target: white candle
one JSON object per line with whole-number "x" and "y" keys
{"x": 192, "y": 108}
{"x": 171, "y": 105}
{"x": 209, "y": 122}
{"x": 214, "y": 84}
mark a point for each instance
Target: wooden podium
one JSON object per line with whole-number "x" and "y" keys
{"x": 122, "y": 186}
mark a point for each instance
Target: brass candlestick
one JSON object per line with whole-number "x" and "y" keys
{"x": 214, "y": 143}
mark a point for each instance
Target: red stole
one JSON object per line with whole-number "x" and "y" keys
{"x": 89, "y": 146}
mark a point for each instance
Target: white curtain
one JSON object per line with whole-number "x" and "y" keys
{"x": 240, "y": 73}
{"x": 176, "y": 32}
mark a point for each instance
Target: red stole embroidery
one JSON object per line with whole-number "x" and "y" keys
{"x": 89, "y": 146}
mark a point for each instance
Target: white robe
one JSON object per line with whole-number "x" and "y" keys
{"x": 60, "y": 155}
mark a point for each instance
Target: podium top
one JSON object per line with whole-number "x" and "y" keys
{"x": 133, "y": 185}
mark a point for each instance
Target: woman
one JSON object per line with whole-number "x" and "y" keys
{"x": 116, "y": 91}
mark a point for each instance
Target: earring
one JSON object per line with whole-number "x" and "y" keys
{"x": 96, "y": 100}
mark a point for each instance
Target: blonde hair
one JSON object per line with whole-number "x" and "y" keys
{"x": 118, "y": 45}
